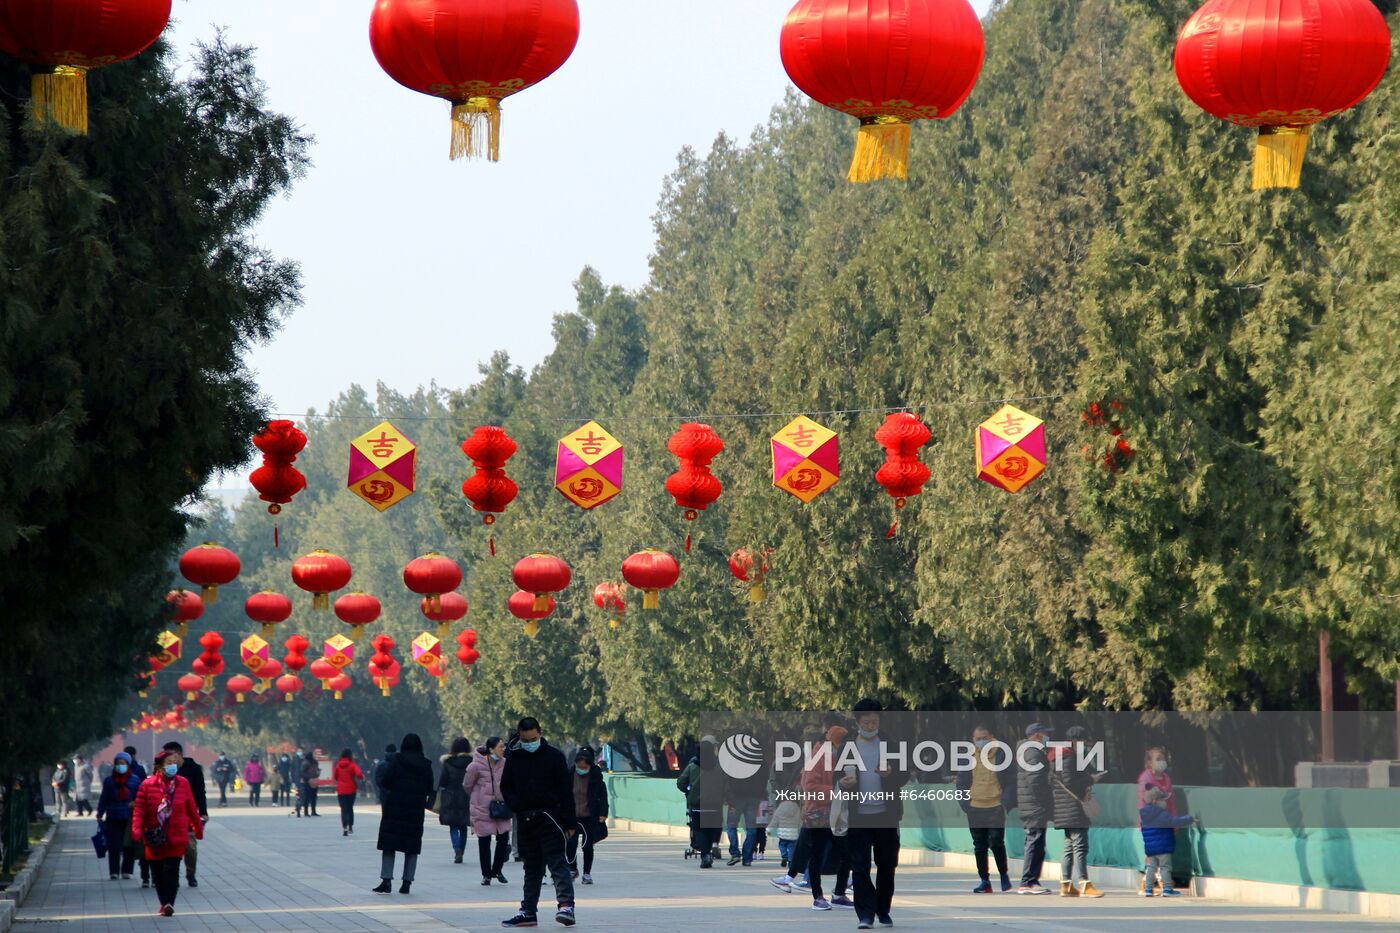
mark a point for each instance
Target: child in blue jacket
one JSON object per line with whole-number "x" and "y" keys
{"x": 1159, "y": 841}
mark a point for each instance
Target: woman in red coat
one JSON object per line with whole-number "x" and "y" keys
{"x": 161, "y": 819}
{"x": 348, "y": 777}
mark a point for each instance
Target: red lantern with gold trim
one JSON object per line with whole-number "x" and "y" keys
{"x": 608, "y": 597}
{"x": 747, "y": 569}
{"x": 268, "y": 609}
{"x": 887, "y": 64}
{"x": 541, "y": 574}
{"x": 525, "y": 607}
{"x": 473, "y": 54}
{"x": 451, "y": 607}
{"x": 277, "y": 480}
{"x": 321, "y": 573}
{"x": 431, "y": 576}
{"x": 188, "y": 607}
{"x": 357, "y": 610}
{"x": 1281, "y": 67}
{"x": 64, "y": 39}
{"x": 651, "y": 571}
{"x": 209, "y": 567}
{"x": 240, "y": 685}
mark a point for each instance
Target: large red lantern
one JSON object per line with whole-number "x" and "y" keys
{"x": 268, "y": 609}
{"x": 240, "y": 685}
{"x": 190, "y": 684}
{"x": 357, "y": 610}
{"x": 323, "y": 671}
{"x": 288, "y": 685}
{"x": 651, "y": 571}
{"x": 526, "y": 608}
{"x": 64, "y": 39}
{"x": 541, "y": 574}
{"x": 188, "y": 607}
{"x": 903, "y": 474}
{"x": 432, "y": 575}
{"x": 321, "y": 573}
{"x": 888, "y": 64}
{"x": 608, "y": 597}
{"x": 339, "y": 684}
{"x": 489, "y": 489}
{"x": 474, "y": 54}
{"x": 382, "y": 666}
{"x": 693, "y": 486}
{"x": 1281, "y": 66}
{"x": 277, "y": 480}
{"x": 296, "y": 652}
{"x": 209, "y": 567}
{"x": 450, "y": 608}
{"x": 270, "y": 671}
{"x": 746, "y": 569}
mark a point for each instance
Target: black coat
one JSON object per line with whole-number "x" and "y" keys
{"x": 893, "y": 785}
{"x": 192, "y": 772}
{"x": 539, "y": 780}
{"x": 1066, "y": 784}
{"x": 597, "y": 794}
{"x": 455, "y": 803}
{"x": 406, "y": 794}
{"x": 1033, "y": 795}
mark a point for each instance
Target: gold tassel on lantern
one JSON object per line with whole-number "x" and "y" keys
{"x": 532, "y": 628}
{"x": 61, "y": 96}
{"x": 476, "y": 129}
{"x": 320, "y": 602}
{"x": 651, "y": 599}
{"x": 1278, "y": 156}
{"x": 756, "y": 594}
{"x": 882, "y": 149}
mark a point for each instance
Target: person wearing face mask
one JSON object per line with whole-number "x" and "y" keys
{"x": 139, "y": 770}
{"x": 194, "y": 776}
{"x": 590, "y": 811}
{"x": 874, "y": 819}
{"x": 1154, "y": 774}
{"x": 1036, "y": 801}
{"x": 224, "y": 772}
{"x": 407, "y": 796}
{"x": 164, "y": 819}
{"x": 114, "y": 815}
{"x": 454, "y": 804}
{"x": 986, "y": 794}
{"x": 490, "y": 817}
{"x": 282, "y": 787}
{"x": 536, "y": 784}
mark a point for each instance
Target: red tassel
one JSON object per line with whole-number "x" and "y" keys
{"x": 894, "y": 527}
{"x": 493, "y": 545}
{"x": 687, "y": 542}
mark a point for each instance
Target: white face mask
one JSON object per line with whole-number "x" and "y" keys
{"x": 1159, "y": 766}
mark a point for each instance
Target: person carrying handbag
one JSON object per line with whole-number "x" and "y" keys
{"x": 590, "y": 811}
{"x": 489, "y": 816}
{"x": 1075, "y": 808}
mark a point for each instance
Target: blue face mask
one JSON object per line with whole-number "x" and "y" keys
{"x": 581, "y": 771}
{"x": 120, "y": 769}
{"x": 171, "y": 769}
{"x": 531, "y": 746}
{"x": 981, "y": 743}
{"x": 868, "y": 733}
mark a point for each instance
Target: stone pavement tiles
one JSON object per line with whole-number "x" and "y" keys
{"x": 262, "y": 871}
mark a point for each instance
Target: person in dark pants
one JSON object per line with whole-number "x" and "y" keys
{"x": 489, "y": 817}
{"x": 1036, "y": 802}
{"x": 874, "y": 818}
{"x": 194, "y": 774}
{"x": 348, "y": 778}
{"x": 310, "y": 773}
{"x": 165, "y": 819}
{"x": 455, "y": 809}
{"x": 1072, "y": 786}
{"x": 537, "y": 786}
{"x": 284, "y": 774}
{"x": 380, "y": 767}
{"x": 590, "y": 811}
{"x": 988, "y": 793}
{"x": 140, "y": 771}
{"x": 407, "y": 795}
{"x": 744, "y": 797}
{"x": 114, "y": 815}
{"x": 224, "y": 773}
{"x": 701, "y": 771}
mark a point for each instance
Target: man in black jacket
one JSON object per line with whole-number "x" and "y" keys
{"x": 192, "y": 772}
{"x": 1036, "y": 801}
{"x": 873, "y": 836}
{"x": 538, "y": 789}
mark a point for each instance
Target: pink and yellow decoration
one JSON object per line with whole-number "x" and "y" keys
{"x": 806, "y": 458}
{"x": 170, "y": 647}
{"x": 588, "y": 468}
{"x": 383, "y": 466}
{"x": 339, "y": 651}
{"x": 427, "y": 651}
{"x": 255, "y": 652}
{"x": 1010, "y": 449}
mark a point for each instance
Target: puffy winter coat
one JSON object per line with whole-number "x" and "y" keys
{"x": 253, "y": 772}
{"x": 1033, "y": 795}
{"x": 110, "y": 806}
{"x": 483, "y": 784}
{"x": 184, "y": 817}
{"x": 455, "y": 800}
{"x": 407, "y": 788}
{"x": 1070, "y": 786}
{"x": 347, "y": 776}
{"x": 1159, "y": 829}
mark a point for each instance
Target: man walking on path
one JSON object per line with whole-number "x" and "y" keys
{"x": 1036, "y": 801}
{"x": 191, "y": 771}
{"x": 874, "y": 818}
{"x": 224, "y": 773}
{"x": 538, "y": 789}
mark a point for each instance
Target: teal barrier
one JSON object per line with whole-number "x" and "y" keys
{"x": 1339, "y": 857}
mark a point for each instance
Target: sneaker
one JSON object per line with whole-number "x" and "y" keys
{"x": 168, "y": 910}
{"x": 345, "y": 832}
{"x": 189, "y": 880}
{"x": 733, "y": 860}
{"x": 885, "y": 920}
{"x": 113, "y": 877}
{"x": 1032, "y": 889}
{"x": 521, "y": 919}
{"x": 1068, "y": 890}
{"x": 1145, "y": 893}
{"x": 1168, "y": 892}
{"x": 1087, "y": 889}
{"x": 820, "y": 903}
{"x": 1005, "y": 883}
{"x": 457, "y": 858}
{"x": 565, "y": 915}
{"x": 758, "y": 856}
{"x": 984, "y": 888}
{"x": 804, "y": 884}
{"x": 864, "y": 925}
{"x": 587, "y": 878}
{"x": 501, "y": 878}
{"x": 486, "y": 881}
{"x": 145, "y": 882}
{"x": 842, "y": 900}
{"x": 782, "y": 883}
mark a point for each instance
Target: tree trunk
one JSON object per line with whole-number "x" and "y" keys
{"x": 1324, "y": 684}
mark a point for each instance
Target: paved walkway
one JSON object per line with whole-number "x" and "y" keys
{"x": 261, "y": 870}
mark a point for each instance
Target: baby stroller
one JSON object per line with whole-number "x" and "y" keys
{"x": 704, "y": 843}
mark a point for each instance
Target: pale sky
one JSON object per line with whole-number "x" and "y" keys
{"x": 416, "y": 268}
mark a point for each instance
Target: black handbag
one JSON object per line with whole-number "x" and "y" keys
{"x": 497, "y": 808}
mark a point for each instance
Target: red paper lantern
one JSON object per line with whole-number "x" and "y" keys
{"x": 903, "y": 475}
{"x": 63, "y": 39}
{"x": 608, "y": 597}
{"x": 209, "y": 567}
{"x": 450, "y": 607}
{"x": 239, "y": 686}
{"x": 210, "y": 664}
{"x": 431, "y": 576}
{"x": 357, "y": 610}
{"x": 191, "y": 684}
{"x": 296, "y": 652}
{"x": 473, "y": 53}
{"x": 467, "y": 654}
{"x": 886, "y": 63}
{"x": 541, "y": 574}
{"x": 277, "y": 480}
{"x": 268, "y": 609}
{"x": 693, "y": 486}
{"x": 1281, "y": 66}
{"x": 339, "y": 684}
{"x": 288, "y": 685}
{"x": 651, "y": 571}
{"x": 188, "y": 607}
{"x": 270, "y": 671}
{"x": 382, "y": 664}
{"x": 321, "y": 573}
{"x": 323, "y": 671}
{"x": 489, "y": 489}
{"x": 746, "y": 569}
{"x": 523, "y": 606}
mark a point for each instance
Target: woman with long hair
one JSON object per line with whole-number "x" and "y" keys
{"x": 348, "y": 778}
{"x": 407, "y": 786}
{"x": 489, "y": 816}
